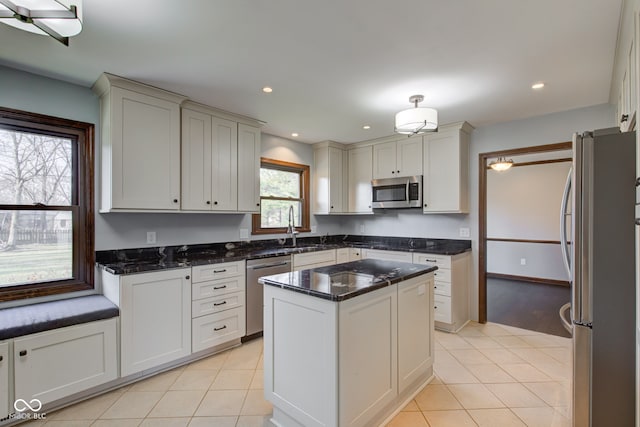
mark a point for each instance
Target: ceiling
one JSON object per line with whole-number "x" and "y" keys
{"x": 336, "y": 65}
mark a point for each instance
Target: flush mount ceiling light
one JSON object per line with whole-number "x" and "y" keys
{"x": 501, "y": 165}
{"x": 267, "y": 89}
{"x": 416, "y": 120}
{"x": 537, "y": 86}
{"x": 59, "y": 19}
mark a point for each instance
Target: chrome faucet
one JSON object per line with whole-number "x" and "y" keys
{"x": 291, "y": 229}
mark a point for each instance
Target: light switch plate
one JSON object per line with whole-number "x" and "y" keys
{"x": 464, "y": 231}
{"x": 244, "y": 233}
{"x": 362, "y": 228}
{"x": 151, "y": 237}
{"x": 314, "y": 229}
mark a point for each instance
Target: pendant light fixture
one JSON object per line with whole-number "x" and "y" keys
{"x": 59, "y": 19}
{"x": 416, "y": 120}
{"x": 501, "y": 165}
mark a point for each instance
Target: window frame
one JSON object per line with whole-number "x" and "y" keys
{"x": 303, "y": 170}
{"x": 82, "y": 206}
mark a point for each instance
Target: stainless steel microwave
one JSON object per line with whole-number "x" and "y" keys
{"x": 397, "y": 193}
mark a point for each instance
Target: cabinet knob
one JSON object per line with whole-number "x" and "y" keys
{"x": 397, "y": 171}
{"x": 393, "y": 172}
{"x": 187, "y": 277}
{"x": 331, "y": 207}
{"x": 257, "y": 204}
{"x": 425, "y": 205}
{"x": 215, "y": 203}
{"x": 624, "y": 118}
{"x": 435, "y": 307}
{"x": 637, "y": 182}
{"x": 219, "y": 329}
{"x": 369, "y": 206}
{"x": 175, "y": 200}
{"x": 23, "y": 352}
{"x": 1, "y": 358}
{"x": 208, "y": 202}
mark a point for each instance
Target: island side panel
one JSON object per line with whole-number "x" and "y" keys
{"x": 300, "y": 357}
{"x": 415, "y": 331}
{"x": 368, "y": 337}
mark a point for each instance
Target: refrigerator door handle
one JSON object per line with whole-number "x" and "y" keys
{"x": 563, "y": 225}
{"x": 563, "y": 318}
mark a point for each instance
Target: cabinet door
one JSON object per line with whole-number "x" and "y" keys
{"x": 409, "y": 156}
{"x": 145, "y": 152}
{"x": 384, "y": 160}
{"x": 224, "y": 164}
{"x": 355, "y": 254}
{"x": 329, "y": 181}
{"x": 368, "y": 344}
{"x": 445, "y": 182}
{"x": 52, "y": 365}
{"x": 337, "y": 180}
{"x": 196, "y": 160}
{"x": 415, "y": 329}
{"x": 342, "y": 255}
{"x": 155, "y": 315}
{"x": 360, "y": 176}
{"x": 248, "y": 168}
{"x": 4, "y": 380}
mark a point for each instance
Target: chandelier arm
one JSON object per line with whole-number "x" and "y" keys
{"x": 51, "y": 32}
{"x": 71, "y": 13}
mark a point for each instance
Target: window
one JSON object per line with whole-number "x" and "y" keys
{"x": 46, "y": 205}
{"x": 282, "y": 185}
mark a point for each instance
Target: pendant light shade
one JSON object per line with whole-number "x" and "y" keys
{"x": 501, "y": 165}
{"x": 416, "y": 120}
{"x": 59, "y": 19}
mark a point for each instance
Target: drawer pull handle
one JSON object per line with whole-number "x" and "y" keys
{"x": 23, "y": 352}
{"x": 219, "y": 271}
{"x": 219, "y": 287}
{"x": 215, "y": 304}
{"x": 219, "y": 329}
{"x": 430, "y": 260}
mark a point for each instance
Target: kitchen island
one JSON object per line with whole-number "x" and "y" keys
{"x": 347, "y": 345}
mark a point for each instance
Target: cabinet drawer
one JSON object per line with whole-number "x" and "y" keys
{"x": 387, "y": 255}
{"x": 442, "y": 288}
{"x": 214, "y": 288}
{"x": 4, "y": 379}
{"x": 442, "y": 308}
{"x": 222, "y": 270}
{"x": 442, "y": 275}
{"x": 219, "y": 328}
{"x": 309, "y": 258}
{"x": 441, "y": 261}
{"x": 217, "y": 304}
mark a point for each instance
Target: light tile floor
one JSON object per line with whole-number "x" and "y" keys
{"x": 486, "y": 375}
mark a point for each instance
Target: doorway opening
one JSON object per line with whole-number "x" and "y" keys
{"x": 521, "y": 277}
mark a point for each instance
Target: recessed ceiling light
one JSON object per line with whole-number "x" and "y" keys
{"x": 539, "y": 85}
{"x": 294, "y": 134}
{"x": 366, "y": 127}
{"x": 267, "y": 89}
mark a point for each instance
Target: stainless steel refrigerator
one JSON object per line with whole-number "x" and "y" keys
{"x": 599, "y": 240}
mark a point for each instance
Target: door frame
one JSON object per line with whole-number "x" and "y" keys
{"x": 482, "y": 212}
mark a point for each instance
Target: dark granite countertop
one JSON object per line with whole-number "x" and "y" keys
{"x": 348, "y": 280}
{"x": 130, "y": 261}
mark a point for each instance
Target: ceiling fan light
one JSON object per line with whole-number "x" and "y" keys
{"x": 501, "y": 165}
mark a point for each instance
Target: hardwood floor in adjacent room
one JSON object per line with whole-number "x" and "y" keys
{"x": 526, "y": 305}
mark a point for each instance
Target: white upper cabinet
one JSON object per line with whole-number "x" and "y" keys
{"x": 249, "y": 152}
{"x": 140, "y": 146}
{"x": 446, "y": 169}
{"x": 330, "y": 178}
{"x": 360, "y": 171}
{"x": 220, "y": 161}
{"x": 398, "y": 158}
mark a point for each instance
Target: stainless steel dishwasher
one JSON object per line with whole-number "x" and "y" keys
{"x": 257, "y": 268}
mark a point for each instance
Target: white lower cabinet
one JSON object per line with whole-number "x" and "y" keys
{"x": 4, "y": 380}
{"x": 342, "y": 255}
{"x": 451, "y": 289}
{"x": 355, "y": 254}
{"x": 55, "y": 364}
{"x": 387, "y": 255}
{"x": 155, "y": 317}
{"x": 218, "y": 304}
{"x": 308, "y": 260}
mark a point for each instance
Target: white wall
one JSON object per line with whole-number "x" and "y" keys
{"x": 30, "y": 92}
{"x": 524, "y": 203}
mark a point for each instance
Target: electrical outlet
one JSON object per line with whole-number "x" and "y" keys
{"x": 151, "y": 237}
{"x": 464, "y": 231}
{"x": 361, "y": 228}
{"x": 314, "y": 229}
{"x": 523, "y": 261}
{"x": 244, "y": 233}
